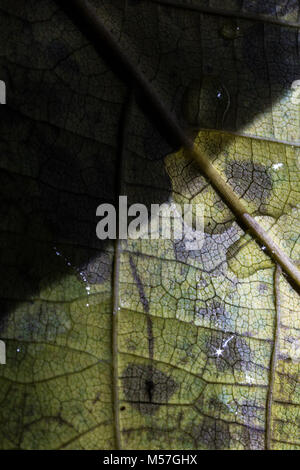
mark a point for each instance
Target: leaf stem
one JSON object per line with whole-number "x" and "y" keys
{"x": 103, "y": 40}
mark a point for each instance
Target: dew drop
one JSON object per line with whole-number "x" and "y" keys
{"x": 276, "y": 166}
{"x": 206, "y": 102}
{"x": 230, "y": 30}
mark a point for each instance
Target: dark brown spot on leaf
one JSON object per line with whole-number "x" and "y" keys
{"x": 211, "y": 434}
{"x": 250, "y": 181}
{"x": 147, "y": 388}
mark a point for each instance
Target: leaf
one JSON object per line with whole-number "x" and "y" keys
{"x": 144, "y": 344}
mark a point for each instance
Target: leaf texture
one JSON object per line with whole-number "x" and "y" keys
{"x": 143, "y": 344}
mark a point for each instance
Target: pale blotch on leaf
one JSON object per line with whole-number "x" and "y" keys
{"x": 228, "y": 351}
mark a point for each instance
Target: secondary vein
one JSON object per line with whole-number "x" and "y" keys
{"x": 123, "y": 135}
{"x": 273, "y": 361}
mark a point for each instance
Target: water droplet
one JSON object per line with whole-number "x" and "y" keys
{"x": 218, "y": 352}
{"x": 206, "y": 102}
{"x": 276, "y": 166}
{"x": 230, "y": 30}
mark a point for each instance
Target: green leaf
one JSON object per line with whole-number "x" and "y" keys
{"x": 142, "y": 344}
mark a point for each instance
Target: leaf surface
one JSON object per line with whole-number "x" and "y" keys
{"x": 144, "y": 344}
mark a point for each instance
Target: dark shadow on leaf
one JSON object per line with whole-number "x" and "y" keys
{"x": 53, "y": 178}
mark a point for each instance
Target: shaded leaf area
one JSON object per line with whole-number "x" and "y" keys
{"x": 59, "y": 149}
{"x": 213, "y": 71}
{"x": 285, "y": 11}
{"x": 196, "y": 330}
